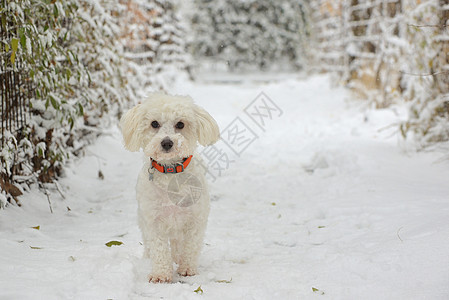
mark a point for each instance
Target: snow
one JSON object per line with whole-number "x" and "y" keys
{"x": 326, "y": 203}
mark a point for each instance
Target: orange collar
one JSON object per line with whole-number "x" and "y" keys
{"x": 173, "y": 169}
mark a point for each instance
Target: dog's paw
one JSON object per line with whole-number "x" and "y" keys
{"x": 186, "y": 271}
{"x": 159, "y": 278}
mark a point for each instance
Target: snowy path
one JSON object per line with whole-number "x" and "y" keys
{"x": 322, "y": 205}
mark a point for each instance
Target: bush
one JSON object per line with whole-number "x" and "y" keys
{"x": 245, "y": 34}
{"x": 72, "y": 69}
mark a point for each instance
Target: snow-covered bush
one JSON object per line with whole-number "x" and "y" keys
{"x": 254, "y": 33}
{"x": 362, "y": 41}
{"x": 153, "y": 37}
{"x": 69, "y": 54}
{"x": 374, "y": 51}
{"x": 35, "y": 48}
{"x": 327, "y": 37}
{"x": 428, "y": 93}
{"x": 97, "y": 44}
{"x": 389, "y": 51}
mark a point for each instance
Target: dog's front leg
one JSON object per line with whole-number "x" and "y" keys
{"x": 190, "y": 252}
{"x": 161, "y": 262}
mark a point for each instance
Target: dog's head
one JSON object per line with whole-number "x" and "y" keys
{"x": 167, "y": 127}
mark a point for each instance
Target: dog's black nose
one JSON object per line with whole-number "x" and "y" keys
{"x": 167, "y": 143}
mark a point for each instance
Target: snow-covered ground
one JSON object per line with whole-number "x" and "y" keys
{"x": 323, "y": 202}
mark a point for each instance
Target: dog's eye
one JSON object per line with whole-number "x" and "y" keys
{"x": 155, "y": 124}
{"x": 179, "y": 125}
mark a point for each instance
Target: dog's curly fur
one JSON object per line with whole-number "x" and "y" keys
{"x": 171, "y": 232}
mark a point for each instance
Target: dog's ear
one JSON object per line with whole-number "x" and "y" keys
{"x": 207, "y": 129}
{"x": 129, "y": 123}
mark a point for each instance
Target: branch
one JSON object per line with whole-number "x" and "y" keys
{"x": 419, "y": 26}
{"x": 424, "y": 75}
{"x": 48, "y": 197}
{"x": 43, "y": 186}
{"x": 59, "y": 189}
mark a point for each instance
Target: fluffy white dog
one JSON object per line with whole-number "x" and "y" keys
{"x": 173, "y": 201}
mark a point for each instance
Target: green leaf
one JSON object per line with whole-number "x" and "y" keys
{"x": 54, "y": 103}
{"x": 71, "y": 122}
{"x": 13, "y": 57}
{"x": 81, "y": 109}
{"x": 315, "y": 290}
{"x": 36, "y": 227}
{"x": 199, "y": 290}
{"x": 23, "y": 39}
{"x": 55, "y": 11}
{"x": 114, "y": 243}
{"x": 14, "y": 44}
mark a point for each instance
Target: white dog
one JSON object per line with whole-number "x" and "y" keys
{"x": 173, "y": 201}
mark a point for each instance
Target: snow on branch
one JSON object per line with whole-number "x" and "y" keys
{"x": 387, "y": 50}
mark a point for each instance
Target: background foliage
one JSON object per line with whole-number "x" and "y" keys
{"x": 389, "y": 52}
{"x": 250, "y": 34}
